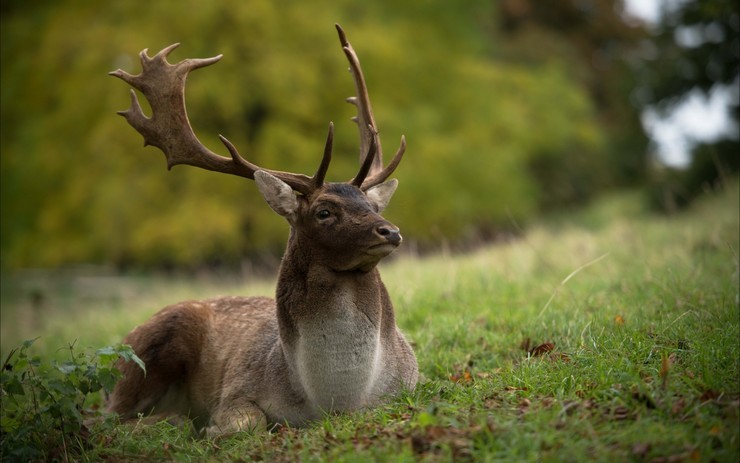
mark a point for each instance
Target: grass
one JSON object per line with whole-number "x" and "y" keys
{"x": 610, "y": 335}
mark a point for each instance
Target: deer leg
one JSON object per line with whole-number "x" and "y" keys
{"x": 136, "y": 393}
{"x": 169, "y": 344}
{"x": 236, "y": 415}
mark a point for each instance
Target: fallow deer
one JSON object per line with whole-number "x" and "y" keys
{"x": 328, "y": 342}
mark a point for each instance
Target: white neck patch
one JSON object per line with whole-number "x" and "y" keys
{"x": 337, "y": 355}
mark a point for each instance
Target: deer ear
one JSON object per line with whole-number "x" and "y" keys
{"x": 278, "y": 194}
{"x": 380, "y": 195}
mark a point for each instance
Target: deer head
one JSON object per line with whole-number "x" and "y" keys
{"x": 341, "y": 221}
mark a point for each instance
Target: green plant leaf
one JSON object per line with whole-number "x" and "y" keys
{"x": 11, "y": 385}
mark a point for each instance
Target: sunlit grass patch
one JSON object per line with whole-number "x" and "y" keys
{"x": 606, "y": 341}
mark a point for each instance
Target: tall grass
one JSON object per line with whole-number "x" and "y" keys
{"x": 609, "y": 335}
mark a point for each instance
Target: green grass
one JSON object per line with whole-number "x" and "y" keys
{"x": 631, "y": 320}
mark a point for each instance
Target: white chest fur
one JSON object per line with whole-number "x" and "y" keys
{"x": 337, "y": 356}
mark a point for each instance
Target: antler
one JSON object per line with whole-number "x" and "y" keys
{"x": 371, "y": 154}
{"x": 163, "y": 85}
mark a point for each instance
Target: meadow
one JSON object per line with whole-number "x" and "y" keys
{"x": 610, "y": 334}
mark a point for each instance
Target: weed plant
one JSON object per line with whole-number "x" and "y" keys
{"x": 44, "y": 405}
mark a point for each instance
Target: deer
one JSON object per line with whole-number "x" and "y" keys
{"x": 328, "y": 342}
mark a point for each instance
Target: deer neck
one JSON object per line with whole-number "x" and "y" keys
{"x": 331, "y": 327}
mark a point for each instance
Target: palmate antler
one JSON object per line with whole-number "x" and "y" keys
{"x": 163, "y": 85}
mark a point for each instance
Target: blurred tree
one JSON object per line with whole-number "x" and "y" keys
{"x": 597, "y": 45}
{"x": 699, "y": 44}
{"x": 495, "y": 128}
{"x": 711, "y": 166}
{"x": 696, "y": 48}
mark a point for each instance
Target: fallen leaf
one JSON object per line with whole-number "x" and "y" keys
{"x": 569, "y": 407}
{"x": 462, "y": 377}
{"x": 491, "y": 425}
{"x": 460, "y": 449}
{"x": 619, "y": 413}
{"x": 420, "y": 444}
{"x": 640, "y": 449}
{"x": 678, "y": 406}
{"x": 514, "y": 388}
{"x": 562, "y": 356}
{"x": 436, "y": 432}
{"x": 645, "y": 399}
{"x": 433, "y": 438}
{"x": 542, "y": 349}
{"x": 588, "y": 404}
{"x": 491, "y": 403}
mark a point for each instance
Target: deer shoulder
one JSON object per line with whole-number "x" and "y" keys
{"x": 329, "y": 341}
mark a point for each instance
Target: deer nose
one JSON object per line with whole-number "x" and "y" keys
{"x": 390, "y": 233}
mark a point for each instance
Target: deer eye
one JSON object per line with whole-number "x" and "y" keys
{"x": 323, "y": 214}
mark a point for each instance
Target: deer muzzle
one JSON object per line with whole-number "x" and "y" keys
{"x": 391, "y": 234}
{"x": 388, "y": 238}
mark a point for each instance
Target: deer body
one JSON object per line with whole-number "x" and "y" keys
{"x": 327, "y": 343}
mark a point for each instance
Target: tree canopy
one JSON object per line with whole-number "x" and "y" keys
{"x": 693, "y": 50}
{"x": 508, "y": 108}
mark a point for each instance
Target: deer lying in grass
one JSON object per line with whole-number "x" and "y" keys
{"x": 329, "y": 342}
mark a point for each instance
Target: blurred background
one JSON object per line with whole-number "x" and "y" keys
{"x": 512, "y": 109}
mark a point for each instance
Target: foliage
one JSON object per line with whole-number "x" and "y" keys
{"x": 694, "y": 49}
{"x": 609, "y": 335}
{"x": 44, "y": 405}
{"x": 712, "y": 164}
{"x": 498, "y": 127}
{"x": 597, "y": 45}
{"x": 698, "y": 51}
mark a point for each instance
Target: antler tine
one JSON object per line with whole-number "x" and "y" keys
{"x": 318, "y": 178}
{"x": 382, "y": 176}
{"x": 298, "y": 182}
{"x": 364, "y": 119}
{"x": 169, "y": 129}
{"x": 369, "y": 138}
{"x": 366, "y": 164}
